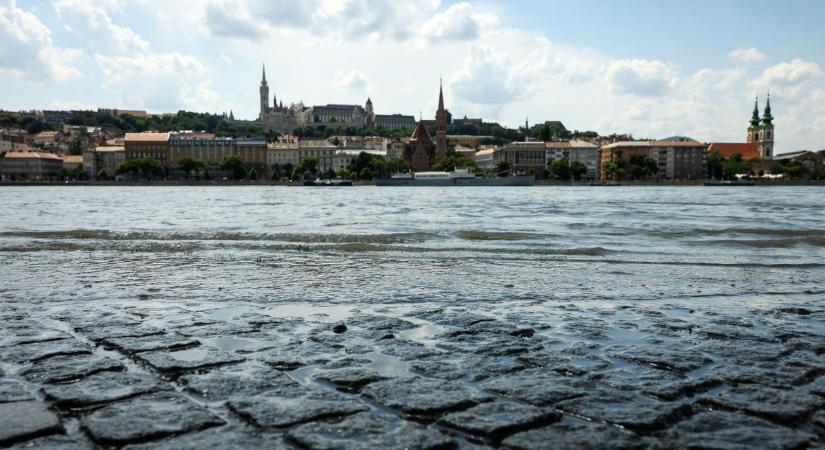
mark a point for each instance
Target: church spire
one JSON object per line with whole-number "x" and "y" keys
{"x": 440, "y": 96}
{"x": 263, "y": 75}
{"x": 767, "y": 118}
{"x": 755, "y": 116}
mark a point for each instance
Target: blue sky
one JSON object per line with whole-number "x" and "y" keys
{"x": 651, "y": 68}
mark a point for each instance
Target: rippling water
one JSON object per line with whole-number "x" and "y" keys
{"x": 375, "y": 245}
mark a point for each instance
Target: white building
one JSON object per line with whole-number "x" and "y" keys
{"x": 581, "y": 151}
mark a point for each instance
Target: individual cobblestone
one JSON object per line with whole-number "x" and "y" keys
{"x": 150, "y": 343}
{"x": 103, "y": 387}
{"x": 296, "y": 407}
{"x": 36, "y": 351}
{"x": 727, "y": 431}
{"x": 366, "y": 431}
{"x": 422, "y": 396}
{"x": 146, "y": 418}
{"x": 26, "y": 420}
{"x": 576, "y": 435}
{"x": 13, "y": 391}
{"x": 66, "y": 368}
{"x": 226, "y": 437}
{"x": 173, "y": 362}
{"x": 498, "y": 419}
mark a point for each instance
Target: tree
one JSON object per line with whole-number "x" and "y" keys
{"x": 102, "y": 175}
{"x": 329, "y": 174}
{"x": 76, "y": 146}
{"x": 614, "y": 170}
{"x": 287, "y": 169}
{"x": 642, "y": 167}
{"x": 577, "y": 170}
{"x": 141, "y": 167}
{"x": 189, "y": 165}
{"x": 234, "y": 165}
{"x": 714, "y": 164}
{"x": 275, "y": 174}
{"x": 365, "y": 174}
{"x": 560, "y": 169}
{"x": 503, "y": 168}
{"x": 253, "y": 174}
{"x": 794, "y": 170}
{"x": 398, "y": 165}
{"x": 455, "y": 161}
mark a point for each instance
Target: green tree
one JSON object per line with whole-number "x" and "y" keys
{"x": 189, "y": 165}
{"x": 233, "y": 164}
{"x": 560, "y": 169}
{"x": 642, "y": 167}
{"x": 795, "y": 170}
{"x": 365, "y": 174}
{"x": 714, "y": 165}
{"x": 76, "y": 146}
{"x": 614, "y": 170}
{"x": 102, "y": 175}
{"x": 503, "y": 168}
{"x": 577, "y": 170}
{"x": 141, "y": 167}
{"x": 276, "y": 175}
{"x": 329, "y": 174}
{"x": 253, "y": 174}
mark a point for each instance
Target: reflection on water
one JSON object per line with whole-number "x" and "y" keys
{"x": 307, "y": 248}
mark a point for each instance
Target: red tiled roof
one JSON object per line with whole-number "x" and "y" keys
{"x": 38, "y": 155}
{"x": 748, "y": 151}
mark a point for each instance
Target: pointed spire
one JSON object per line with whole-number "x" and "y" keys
{"x": 755, "y": 116}
{"x": 440, "y": 95}
{"x": 263, "y": 76}
{"x": 767, "y": 117}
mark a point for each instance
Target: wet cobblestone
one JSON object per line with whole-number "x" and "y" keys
{"x": 178, "y": 375}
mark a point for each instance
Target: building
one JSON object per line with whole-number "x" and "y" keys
{"x": 321, "y": 149}
{"x": 523, "y": 157}
{"x": 761, "y": 132}
{"x": 282, "y": 153}
{"x": 72, "y": 162}
{"x": 465, "y": 122}
{"x": 17, "y": 165}
{"x": 579, "y": 151}
{"x": 344, "y": 156}
{"x": 47, "y": 138}
{"x": 675, "y": 160}
{"x": 421, "y": 153}
{"x": 106, "y": 159}
{"x": 147, "y": 145}
{"x": 253, "y": 152}
{"x": 485, "y": 158}
{"x": 394, "y": 121}
{"x": 810, "y": 161}
{"x": 727, "y": 150}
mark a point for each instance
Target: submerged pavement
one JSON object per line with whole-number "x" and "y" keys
{"x": 162, "y": 374}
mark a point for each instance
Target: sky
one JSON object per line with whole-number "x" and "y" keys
{"x": 652, "y": 68}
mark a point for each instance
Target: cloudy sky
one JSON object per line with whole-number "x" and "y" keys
{"x": 648, "y": 67}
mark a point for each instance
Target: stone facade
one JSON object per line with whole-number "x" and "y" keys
{"x": 29, "y": 165}
{"x": 580, "y": 151}
{"x": 675, "y": 160}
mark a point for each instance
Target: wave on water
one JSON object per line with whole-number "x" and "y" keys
{"x": 764, "y": 232}
{"x": 813, "y": 241}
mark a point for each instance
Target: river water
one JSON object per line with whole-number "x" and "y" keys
{"x": 368, "y": 244}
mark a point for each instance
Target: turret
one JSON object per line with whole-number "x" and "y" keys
{"x": 767, "y": 118}
{"x": 440, "y": 128}
{"x": 755, "y": 116}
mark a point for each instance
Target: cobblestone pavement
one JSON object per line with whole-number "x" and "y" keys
{"x": 156, "y": 374}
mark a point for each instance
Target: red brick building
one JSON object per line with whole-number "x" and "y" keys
{"x": 421, "y": 152}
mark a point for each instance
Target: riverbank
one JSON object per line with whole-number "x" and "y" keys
{"x": 544, "y": 183}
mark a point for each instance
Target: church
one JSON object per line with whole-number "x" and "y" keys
{"x": 421, "y": 152}
{"x": 760, "y": 138}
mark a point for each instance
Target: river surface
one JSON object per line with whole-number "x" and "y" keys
{"x": 368, "y": 244}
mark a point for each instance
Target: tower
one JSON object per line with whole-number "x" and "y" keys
{"x": 753, "y": 129}
{"x": 370, "y": 114}
{"x": 766, "y": 132}
{"x": 440, "y": 128}
{"x": 264, "y": 90}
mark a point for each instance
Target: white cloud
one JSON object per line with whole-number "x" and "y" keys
{"x": 27, "y": 50}
{"x": 90, "y": 19}
{"x": 641, "y": 77}
{"x": 157, "y": 82}
{"x": 459, "y": 22}
{"x": 353, "y": 81}
{"x": 231, "y": 19}
{"x": 747, "y": 55}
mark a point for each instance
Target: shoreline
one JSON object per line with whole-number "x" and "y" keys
{"x": 539, "y": 183}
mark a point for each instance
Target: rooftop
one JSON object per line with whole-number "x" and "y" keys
{"x": 37, "y": 155}
{"x": 146, "y": 137}
{"x": 690, "y": 144}
{"x": 728, "y": 149}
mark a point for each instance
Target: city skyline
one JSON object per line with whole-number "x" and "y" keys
{"x": 498, "y": 63}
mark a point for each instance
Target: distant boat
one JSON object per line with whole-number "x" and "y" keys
{"x": 459, "y": 177}
{"x": 329, "y": 183}
{"x": 729, "y": 183}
